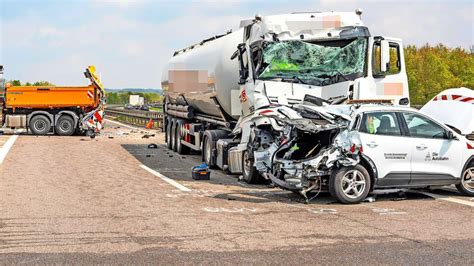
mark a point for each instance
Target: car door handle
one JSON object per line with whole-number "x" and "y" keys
{"x": 421, "y": 147}
{"x": 372, "y": 144}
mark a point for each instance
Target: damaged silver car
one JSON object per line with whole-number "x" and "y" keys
{"x": 310, "y": 153}
{"x": 349, "y": 150}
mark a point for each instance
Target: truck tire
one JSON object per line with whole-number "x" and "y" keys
{"x": 180, "y": 148}
{"x": 349, "y": 184}
{"x": 65, "y": 126}
{"x": 249, "y": 173}
{"x": 207, "y": 152}
{"x": 173, "y": 135}
{"x": 40, "y": 125}
{"x": 466, "y": 187}
{"x": 168, "y": 135}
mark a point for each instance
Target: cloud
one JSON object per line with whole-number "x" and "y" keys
{"x": 131, "y": 41}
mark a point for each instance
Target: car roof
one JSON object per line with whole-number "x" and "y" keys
{"x": 382, "y": 108}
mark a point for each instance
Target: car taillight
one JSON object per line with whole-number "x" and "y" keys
{"x": 469, "y": 146}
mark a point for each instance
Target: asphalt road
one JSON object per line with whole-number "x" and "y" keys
{"x": 113, "y": 200}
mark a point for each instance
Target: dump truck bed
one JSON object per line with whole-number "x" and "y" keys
{"x": 50, "y": 97}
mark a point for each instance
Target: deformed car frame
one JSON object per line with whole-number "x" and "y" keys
{"x": 313, "y": 142}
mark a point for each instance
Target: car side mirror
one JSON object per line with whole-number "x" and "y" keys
{"x": 450, "y": 135}
{"x": 384, "y": 55}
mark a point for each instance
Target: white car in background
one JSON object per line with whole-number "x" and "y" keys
{"x": 404, "y": 148}
{"x": 455, "y": 108}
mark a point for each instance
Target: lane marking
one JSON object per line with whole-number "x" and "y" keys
{"x": 166, "y": 179}
{"x": 122, "y": 124}
{"x": 449, "y": 199}
{"x": 6, "y": 147}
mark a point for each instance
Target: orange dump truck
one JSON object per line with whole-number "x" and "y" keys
{"x": 55, "y": 109}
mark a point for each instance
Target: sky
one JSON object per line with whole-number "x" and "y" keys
{"x": 130, "y": 41}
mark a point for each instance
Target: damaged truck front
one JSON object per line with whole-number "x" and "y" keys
{"x": 299, "y": 148}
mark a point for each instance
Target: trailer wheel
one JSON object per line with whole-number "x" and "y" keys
{"x": 249, "y": 173}
{"x": 40, "y": 125}
{"x": 350, "y": 184}
{"x": 65, "y": 126}
{"x": 180, "y": 148}
{"x": 168, "y": 135}
{"x": 173, "y": 135}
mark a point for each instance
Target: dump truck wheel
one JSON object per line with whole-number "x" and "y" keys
{"x": 249, "y": 173}
{"x": 65, "y": 126}
{"x": 40, "y": 125}
{"x": 350, "y": 184}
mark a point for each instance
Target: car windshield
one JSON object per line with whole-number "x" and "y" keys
{"x": 314, "y": 63}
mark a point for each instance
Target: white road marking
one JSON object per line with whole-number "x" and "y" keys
{"x": 449, "y": 199}
{"x": 122, "y": 124}
{"x": 232, "y": 210}
{"x": 6, "y": 147}
{"x": 166, "y": 179}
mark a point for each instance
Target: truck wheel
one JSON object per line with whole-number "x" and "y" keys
{"x": 180, "y": 148}
{"x": 65, "y": 126}
{"x": 168, "y": 135}
{"x": 173, "y": 136}
{"x": 249, "y": 173}
{"x": 207, "y": 152}
{"x": 350, "y": 184}
{"x": 40, "y": 125}
{"x": 466, "y": 186}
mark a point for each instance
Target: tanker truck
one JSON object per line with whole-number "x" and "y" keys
{"x": 222, "y": 95}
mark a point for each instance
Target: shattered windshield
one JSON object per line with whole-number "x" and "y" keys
{"x": 313, "y": 63}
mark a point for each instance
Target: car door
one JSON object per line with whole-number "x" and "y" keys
{"x": 436, "y": 160}
{"x": 383, "y": 143}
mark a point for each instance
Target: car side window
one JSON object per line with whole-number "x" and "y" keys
{"x": 380, "y": 123}
{"x": 423, "y": 127}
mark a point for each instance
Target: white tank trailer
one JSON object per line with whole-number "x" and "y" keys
{"x": 214, "y": 87}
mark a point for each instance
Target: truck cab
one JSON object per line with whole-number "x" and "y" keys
{"x": 328, "y": 55}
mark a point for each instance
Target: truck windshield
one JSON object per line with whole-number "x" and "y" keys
{"x": 320, "y": 63}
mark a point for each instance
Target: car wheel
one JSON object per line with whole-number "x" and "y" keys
{"x": 350, "y": 184}
{"x": 249, "y": 173}
{"x": 40, "y": 125}
{"x": 65, "y": 126}
{"x": 466, "y": 186}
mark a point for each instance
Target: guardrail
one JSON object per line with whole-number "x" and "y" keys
{"x": 135, "y": 117}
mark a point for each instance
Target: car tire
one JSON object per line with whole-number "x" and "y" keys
{"x": 249, "y": 173}
{"x": 40, "y": 125}
{"x": 180, "y": 148}
{"x": 65, "y": 126}
{"x": 349, "y": 184}
{"x": 466, "y": 187}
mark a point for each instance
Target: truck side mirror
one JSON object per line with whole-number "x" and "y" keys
{"x": 384, "y": 55}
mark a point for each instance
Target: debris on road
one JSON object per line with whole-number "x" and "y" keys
{"x": 146, "y": 136}
{"x": 201, "y": 172}
{"x": 152, "y": 146}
